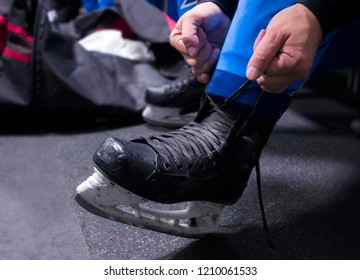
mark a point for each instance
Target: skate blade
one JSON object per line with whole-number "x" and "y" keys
{"x": 102, "y": 197}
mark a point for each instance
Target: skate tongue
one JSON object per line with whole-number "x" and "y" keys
{"x": 225, "y": 108}
{"x": 217, "y": 119}
{"x": 227, "y": 115}
{"x": 233, "y": 112}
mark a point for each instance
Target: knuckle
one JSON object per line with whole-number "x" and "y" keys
{"x": 260, "y": 58}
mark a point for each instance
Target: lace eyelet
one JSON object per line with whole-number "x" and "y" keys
{"x": 166, "y": 165}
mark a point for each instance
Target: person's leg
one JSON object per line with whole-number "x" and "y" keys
{"x": 206, "y": 163}
{"x": 251, "y": 16}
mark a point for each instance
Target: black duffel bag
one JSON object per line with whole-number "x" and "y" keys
{"x": 45, "y": 70}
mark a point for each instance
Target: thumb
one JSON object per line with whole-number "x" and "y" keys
{"x": 266, "y": 47}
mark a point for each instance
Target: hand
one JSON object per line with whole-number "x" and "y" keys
{"x": 284, "y": 52}
{"x": 199, "y": 35}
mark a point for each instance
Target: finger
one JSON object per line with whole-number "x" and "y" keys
{"x": 291, "y": 66}
{"x": 274, "y": 84}
{"x": 192, "y": 36}
{"x": 265, "y": 51}
{"x": 202, "y": 57}
{"x": 259, "y": 38}
{"x": 179, "y": 45}
{"x": 198, "y": 61}
{"x": 203, "y": 73}
{"x": 203, "y": 78}
{"x": 176, "y": 38}
{"x": 274, "y": 89}
{"x": 177, "y": 41}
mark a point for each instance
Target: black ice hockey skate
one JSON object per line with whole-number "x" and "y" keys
{"x": 174, "y": 104}
{"x": 204, "y": 165}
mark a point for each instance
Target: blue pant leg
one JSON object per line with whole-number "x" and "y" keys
{"x": 251, "y": 16}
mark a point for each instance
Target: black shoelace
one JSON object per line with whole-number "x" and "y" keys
{"x": 196, "y": 139}
{"x": 257, "y": 164}
{"x": 190, "y": 141}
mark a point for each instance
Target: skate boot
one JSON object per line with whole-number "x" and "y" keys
{"x": 204, "y": 165}
{"x": 174, "y": 104}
